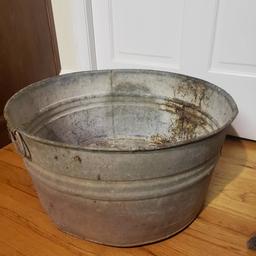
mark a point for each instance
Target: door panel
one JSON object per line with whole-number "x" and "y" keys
{"x": 135, "y": 34}
{"x": 127, "y": 34}
{"x": 211, "y": 39}
{"x": 235, "y": 40}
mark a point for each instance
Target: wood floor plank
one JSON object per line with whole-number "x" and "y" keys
{"x": 9, "y": 156}
{"x": 16, "y": 177}
{"x": 8, "y": 250}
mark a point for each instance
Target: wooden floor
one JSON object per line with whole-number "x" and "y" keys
{"x": 223, "y": 227}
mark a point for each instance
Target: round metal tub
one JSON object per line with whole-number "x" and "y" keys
{"x": 120, "y": 157}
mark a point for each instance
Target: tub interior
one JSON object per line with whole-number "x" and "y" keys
{"x": 123, "y": 110}
{"x": 123, "y": 123}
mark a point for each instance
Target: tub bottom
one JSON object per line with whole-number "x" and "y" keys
{"x": 123, "y": 223}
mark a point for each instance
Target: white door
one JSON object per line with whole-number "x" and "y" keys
{"x": 211, "y": 39}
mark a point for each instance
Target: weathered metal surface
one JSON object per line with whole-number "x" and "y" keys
{"x": 121, "y": 157}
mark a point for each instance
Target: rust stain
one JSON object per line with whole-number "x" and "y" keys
{"x": 185, "y": 122}
{"x": 78, "y": 158}
{"x": 189, "y": 116}
{"x": 158, "y": 139}
{"x": 185, "y": 125}
{"x": 190, "y": 87}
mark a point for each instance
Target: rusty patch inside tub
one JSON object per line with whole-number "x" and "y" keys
{"x": 193, "y": 89}
{"x": 187, "y": 121}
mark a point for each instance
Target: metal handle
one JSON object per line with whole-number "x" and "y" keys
{"x": 20, "y": 143}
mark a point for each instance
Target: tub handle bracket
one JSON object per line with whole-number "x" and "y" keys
{"x": 20, "y": 144}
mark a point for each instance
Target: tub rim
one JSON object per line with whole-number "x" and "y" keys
{"x": 167, "y": 145}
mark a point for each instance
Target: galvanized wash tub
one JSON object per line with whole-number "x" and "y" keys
{"x": 120, "y": 157}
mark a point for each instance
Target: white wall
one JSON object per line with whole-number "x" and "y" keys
{"x": 74, "y": 34}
